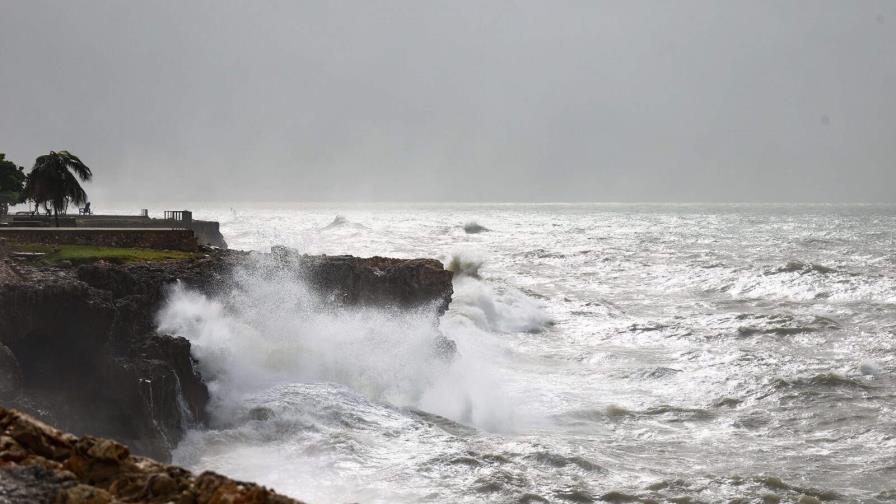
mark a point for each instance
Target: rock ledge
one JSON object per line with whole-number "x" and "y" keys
{"x": 39, "y": 464}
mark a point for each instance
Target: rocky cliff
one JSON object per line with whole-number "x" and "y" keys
{"x": 79, "y": 350}
{"x": 41, "y": 465}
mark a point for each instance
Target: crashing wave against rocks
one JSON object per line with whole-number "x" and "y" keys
{"x": 79, "y": 346}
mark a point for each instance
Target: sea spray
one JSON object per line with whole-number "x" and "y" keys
{"x": 303, "y": 390}
{"x": 491, "y": 307}
{"x": 464, "y": 263}
{"x": 271, "y": 328}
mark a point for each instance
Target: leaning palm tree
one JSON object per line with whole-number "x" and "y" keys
{"x": 53, "y": 182}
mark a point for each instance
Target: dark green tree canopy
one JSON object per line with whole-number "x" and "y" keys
{"x": 53, "y": 181}
{"x": 12, "y": 177}
{"x": 12, "y": 180}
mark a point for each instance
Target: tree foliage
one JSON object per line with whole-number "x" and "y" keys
{"x": 53, "y": 181}
{"x": 12, "y": 181}
{"x": 12, "y": 177}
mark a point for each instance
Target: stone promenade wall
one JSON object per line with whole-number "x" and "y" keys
{"x": 164, "y": 239}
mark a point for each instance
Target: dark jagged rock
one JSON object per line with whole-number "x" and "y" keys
{"x": 83, "y": 352}
{"x": 39, "y": 464}
{"x": 88, "y": 355}
{"x": 374, "y": 281}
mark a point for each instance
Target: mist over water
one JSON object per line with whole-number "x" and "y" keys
{"x": 614, "y": 351}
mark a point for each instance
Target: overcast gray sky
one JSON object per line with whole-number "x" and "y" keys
{"x": 457, "y": 100}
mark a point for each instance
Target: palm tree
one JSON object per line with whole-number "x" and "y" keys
{"x": 54, "y": 181}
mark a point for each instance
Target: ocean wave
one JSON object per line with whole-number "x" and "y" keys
{"x": 557, "y": 460}
{"x": 316, "y": 430}
{"x": 615, "y": 413}
{"x": 800, "y": 283}
{"x": 474, "y": 227}
{"x": 464, "y": 264}
{"x": 784, "y": 325}
{"x": 341, "y": 222}
{"x": 760, "y": 488}
{"x": 803, "y": 268}
{"x": 824, "y": 387}
{"x": 832, "y": 380}
{"x": 493, "y": 309}
{"x": 502, "y": 309}
{"x": 578, "y": 493}
{"x": 658, "y": 373}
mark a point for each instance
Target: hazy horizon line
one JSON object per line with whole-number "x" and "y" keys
{"x": 220, "y": 203}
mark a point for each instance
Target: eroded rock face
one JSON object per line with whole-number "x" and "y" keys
{"x": 39, "y": 464}
{"x": 88, "y": 355}
{"x": 83, "y": 352}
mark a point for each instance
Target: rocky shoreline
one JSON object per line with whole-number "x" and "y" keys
{"x": 79, "y": 348}
{"x": 39, "y": 464}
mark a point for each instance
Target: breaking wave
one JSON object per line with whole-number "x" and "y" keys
{"x": 490, "y": 307}
{"x": 300, "y": 388}
{"x": 804, "y": 268}
{"x": 464, "y": 264}
{"x": 341, "y": 222}
{"x": 267, "y": 332}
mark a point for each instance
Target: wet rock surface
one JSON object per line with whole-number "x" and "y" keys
{"x": 373, "y": 281}
{"x": 39, "y": 464}
{"x": 88, "y": 357}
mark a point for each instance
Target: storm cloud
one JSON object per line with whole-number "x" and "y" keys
{"x": 457, "y": 100}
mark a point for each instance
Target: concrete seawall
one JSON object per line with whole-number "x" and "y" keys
{"x": 206, "y": 232}
{"x": 163, "y": 239}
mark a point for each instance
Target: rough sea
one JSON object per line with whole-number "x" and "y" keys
{"x": 620, "y": 353}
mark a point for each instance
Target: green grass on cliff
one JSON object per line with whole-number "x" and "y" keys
{"x": 85, "y": 253}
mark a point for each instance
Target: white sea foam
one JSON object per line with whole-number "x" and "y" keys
{"x": 738, "y": 367}
{"x": 272, "y": 331}
{"x": 501, "y": 309}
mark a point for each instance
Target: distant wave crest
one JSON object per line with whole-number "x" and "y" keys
{"x": 341, "y": 222}
{"x": 474, "y": 227}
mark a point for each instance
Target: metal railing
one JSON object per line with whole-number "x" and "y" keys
{"x": 180, "y": 219}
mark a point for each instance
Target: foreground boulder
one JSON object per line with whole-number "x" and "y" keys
{"x": 39, "y": 464}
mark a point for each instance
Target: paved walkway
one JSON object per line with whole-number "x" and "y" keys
{"x": 64, "y": 229}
